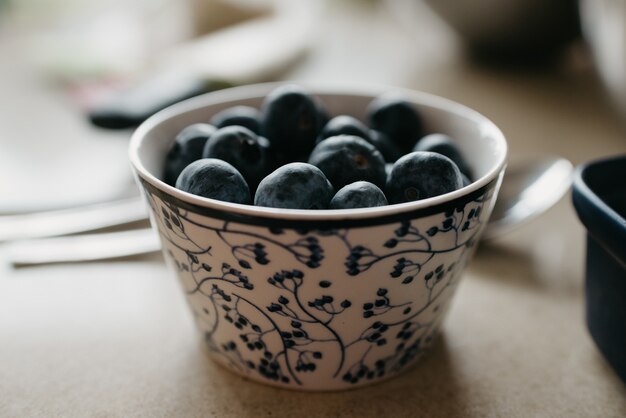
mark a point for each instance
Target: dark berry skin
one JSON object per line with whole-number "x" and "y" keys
{"x": 187, "y": 148}
{"x": 348, "y": 125}
{"x": 444, "y": 145}
{"x": 295, "y": 186}
{"x": 344, "y": 125}
{"x": 420, "y": 175}
{"x": 397, "y": 119}
{"x": 242, "y": 148}
{"x": 245, "y": 116}
{"x": 345, "y": 159}
{"x": 215, "y": 179}
{"x": 290, "y": 121}
{"x": 387, "y": 148}
{"x": 361, "y": 194}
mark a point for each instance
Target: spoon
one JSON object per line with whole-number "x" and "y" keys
{"x": 530, "y": 187}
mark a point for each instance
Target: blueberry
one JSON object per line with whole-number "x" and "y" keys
{"x": 348, "y": 125}
{"x": 345, "y": 159}
{"x": 361, "y": 194}
{"x": 290, "y": 121}
{"x": 295, "y": 186}
{"x": 215, "y": 179}
{"x": 466, "y": 180}
{"x": 187, "y": 148}
{"x": 444, "y": 145}
{"x": 420, "y": 175}
{"x": 344, "y": 125}
{"x": 387, "y": 148}
{"x": 242, "y": 148}
{"x": 397, "y": 119}
{"x": 245, "y": 116}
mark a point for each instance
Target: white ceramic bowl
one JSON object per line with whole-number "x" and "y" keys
{"x": 320, "y": 300}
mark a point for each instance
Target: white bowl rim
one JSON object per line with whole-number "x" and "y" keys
{"x": 349, "y": 89}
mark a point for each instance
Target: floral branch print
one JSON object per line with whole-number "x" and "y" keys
{"x": 293, "y": 306}
{"x": 408, "y": 240}
{"x": 306, "y": 250}
{"x": 229, "y": 275}
{"x": 322, "y": 310}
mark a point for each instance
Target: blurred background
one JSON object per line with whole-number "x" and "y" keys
{"x": 71, "y": 70}
{"x": 114, "y": 338}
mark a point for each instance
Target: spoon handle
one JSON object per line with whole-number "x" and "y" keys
{"x": 80, "y": 248}
{"x": 73, "y": 220}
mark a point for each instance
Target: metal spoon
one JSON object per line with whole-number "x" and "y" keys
{"x": 530, "y": 188}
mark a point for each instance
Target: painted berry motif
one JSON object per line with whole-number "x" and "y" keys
{"x": 295, "y": 305}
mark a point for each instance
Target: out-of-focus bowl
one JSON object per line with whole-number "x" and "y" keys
{"x": 599, "y": 196}
{"x": 604, "y": 28}
{"x": 319, "y": 300}
{"x": 512, "y": 29}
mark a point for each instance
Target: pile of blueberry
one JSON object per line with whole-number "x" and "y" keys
{"x": 290, "y": 155}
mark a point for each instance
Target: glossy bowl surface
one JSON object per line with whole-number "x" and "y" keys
{"x": 320, "y": 300}
{"x": 599, "y": 196}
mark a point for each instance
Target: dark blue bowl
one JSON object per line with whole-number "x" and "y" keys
{"x": 599, "y": 196}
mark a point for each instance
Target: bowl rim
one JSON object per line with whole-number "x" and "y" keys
{"x": 370, "y": 90}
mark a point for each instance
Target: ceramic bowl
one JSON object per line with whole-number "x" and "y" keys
{"x": 599, "y": 197}
{"x": 319, "y": 300}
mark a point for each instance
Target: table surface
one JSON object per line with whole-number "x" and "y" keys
{"x": 116, "y": 338}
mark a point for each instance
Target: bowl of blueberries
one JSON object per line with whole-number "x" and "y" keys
{"x": 318, "y": 233}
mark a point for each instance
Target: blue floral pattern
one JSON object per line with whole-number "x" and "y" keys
{"x": 324, "y": 308}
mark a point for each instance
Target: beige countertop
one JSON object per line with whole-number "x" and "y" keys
{"x": 115, "y": 339}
